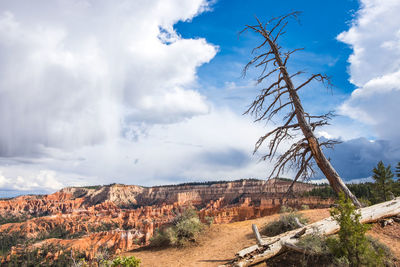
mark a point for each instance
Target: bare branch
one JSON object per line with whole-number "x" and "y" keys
{"x": 287, "y": 55}
{"x": 267, "y": 75}
{"x": 281, "y": 95}
{"x": 318, "y": 77}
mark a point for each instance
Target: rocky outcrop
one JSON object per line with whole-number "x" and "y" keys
{"x": 122, "y": 217}
{"x": 29, "y": 206}
{"x": 197, "y": 194}
{"x": 246, "y": 210}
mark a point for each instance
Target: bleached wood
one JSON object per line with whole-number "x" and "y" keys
{"x": 293, "y": 247}
{"x": 260, "y": 242}
{"x": 328, "y": 226}
{"x": 299, "y": 224}
{"x": 267, "y": 242}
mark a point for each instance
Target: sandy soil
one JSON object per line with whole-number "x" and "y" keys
{"x": 217, "y": 246}
{"x": 388, "y": 235}
{"x": 221, "y": 242}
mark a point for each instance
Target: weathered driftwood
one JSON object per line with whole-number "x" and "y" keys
{"x": 276, "y": 245}
{"x": 293, "y": 247}
{"x": 260, "y": 242}
{"x": 299, "y": 224}
{"x": 256, "y": 249}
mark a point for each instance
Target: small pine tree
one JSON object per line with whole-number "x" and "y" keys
{"x": 396, "y": 185}
{"x": 352, "y": 246}
{"x": 383, "y": 185}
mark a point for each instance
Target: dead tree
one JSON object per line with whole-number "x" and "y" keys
{"x": 280, "y": 99}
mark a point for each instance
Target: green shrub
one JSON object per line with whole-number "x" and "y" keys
{"x": 162, "y": 237}
{"x": 40, "y": 257}
{"x": 314, "y": 244}
{"x": 285, "y": 223}
{"x": 8, "y": 240}
{"x": 319, "y": 253}
{"x": 305, "y": 207}
{"x": 185, "y": 228}
{"x": 125, "y": 262}
{"x": 13, "y": 219}
{"x": 382, "y": 249}
{"x": 286, "y": 209}
{"x": 188, "y": 213}
{"x": 209, "y": 220}
{"x": 187, "y": 231}
{"x": 352, "y": 244}
{"x": 365, "y": 202}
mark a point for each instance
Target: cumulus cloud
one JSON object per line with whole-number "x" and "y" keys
{"x": 44, "y": 180}
{"x": 95, "y": 92}
{"x": 375, "y": 67}
{"x": 214, "y": 146}
{"x": 77, "y": 73}
{"x": 85, "y": 85}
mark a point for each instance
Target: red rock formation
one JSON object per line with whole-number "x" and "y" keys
{"x": 123, "y": 217}
{"x": 58, "y": 202}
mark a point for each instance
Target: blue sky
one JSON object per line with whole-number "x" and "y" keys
{"x": 150, "y": 92}
{"x": 316, "y": 32}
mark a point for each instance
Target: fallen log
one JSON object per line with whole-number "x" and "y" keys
{"x": 293, "y": 247}
{"x": 256, "y": 254}
{"x": 254, "y": 249}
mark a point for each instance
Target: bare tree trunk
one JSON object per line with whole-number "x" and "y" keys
{"x": 301, "y": 153}
{"x": 325, "y": 166}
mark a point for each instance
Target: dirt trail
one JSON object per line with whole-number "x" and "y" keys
{"x": 217, "y": 246}
{"x": 221, "y": 242}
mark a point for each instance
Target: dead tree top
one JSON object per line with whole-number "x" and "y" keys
{"x": 280, "y": 99}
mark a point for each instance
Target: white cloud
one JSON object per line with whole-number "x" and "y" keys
{"x": 214, "y": 146}
{"x": 375, "y": 67}
{"x": 43, "y": 181}
{"x": 74, "y": 73}
{"x": 324, "y": 134}
{"x": 95, "y": 92}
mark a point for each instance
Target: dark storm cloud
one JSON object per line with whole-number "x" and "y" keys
{"x": 356, "y": 158}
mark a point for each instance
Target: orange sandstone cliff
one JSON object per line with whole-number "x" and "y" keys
{"x": 124, "y": 217}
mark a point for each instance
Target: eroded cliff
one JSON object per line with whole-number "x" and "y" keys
{"x": 123, "y": 217}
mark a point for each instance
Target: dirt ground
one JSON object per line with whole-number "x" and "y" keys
{"x": 389, "y": 235}
{"x": 217, "y": 246}
{"x": 220, "y": 243}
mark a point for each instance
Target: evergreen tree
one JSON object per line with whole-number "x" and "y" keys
{"x": 352, "y": 246}
{"x": 383, "y": 186}
{"x": 396, "y": 189}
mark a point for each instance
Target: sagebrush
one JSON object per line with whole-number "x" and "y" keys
{"x": 285, "y": 223}
{"x": 184, "y": 230}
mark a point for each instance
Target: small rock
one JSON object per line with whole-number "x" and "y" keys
{"x": 386, "y": 222}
